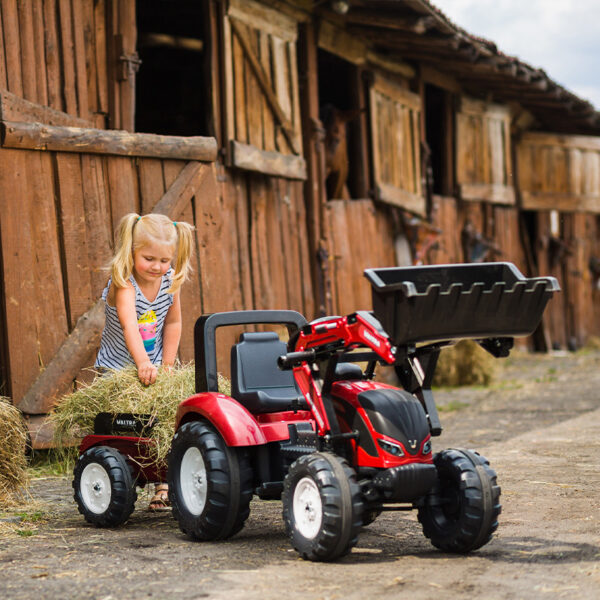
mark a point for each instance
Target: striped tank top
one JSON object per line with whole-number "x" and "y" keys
{"x": 113, "y": 353}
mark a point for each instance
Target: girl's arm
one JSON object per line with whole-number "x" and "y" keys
{"x": 172, "y": 332}
{"x": 125, "y": 304}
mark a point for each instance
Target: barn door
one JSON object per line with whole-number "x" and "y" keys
{"x": 559, "y": 181}
{"x": 483, "y": 156}
{"x": 395, "y": 127}
{"x": 262, "y": 109}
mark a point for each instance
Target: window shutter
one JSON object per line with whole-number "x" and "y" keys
{"x": 261, "y": 90}
{"x": 559, "y": 172}
{"x": 395, "y": 127}
{"x": 483, "y": 157}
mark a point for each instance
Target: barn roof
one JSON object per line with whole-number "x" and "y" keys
{"x": 417, "y": 30}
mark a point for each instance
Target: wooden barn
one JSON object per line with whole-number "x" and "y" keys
{"x": 305, "y": 141}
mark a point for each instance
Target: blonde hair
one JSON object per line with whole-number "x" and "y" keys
{"x": 135, "y": 232}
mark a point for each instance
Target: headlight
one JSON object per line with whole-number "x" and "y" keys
{"x": 394, "y": 449}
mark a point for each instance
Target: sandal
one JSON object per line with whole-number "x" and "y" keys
{"x": 160, "y": 500}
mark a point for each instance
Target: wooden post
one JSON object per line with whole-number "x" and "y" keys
{"x": 314, "y": 190}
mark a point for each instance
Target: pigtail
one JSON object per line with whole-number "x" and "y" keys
{"x": 183, "y": 255}
{"x": 121, "y": 266}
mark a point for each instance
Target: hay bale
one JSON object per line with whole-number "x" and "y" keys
{"x": 465, "y": 363}
{"x": 121, "y": 392}
{"x": 13, "y": 461}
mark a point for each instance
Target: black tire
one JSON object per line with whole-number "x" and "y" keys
{"x": 217, "y": 505}
{"x": 104, "y": 487}
{"x": 461, "y": 512}
{"x": 325, "y": 483}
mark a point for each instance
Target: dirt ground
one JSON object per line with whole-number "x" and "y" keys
{"x": 538, "y": 425}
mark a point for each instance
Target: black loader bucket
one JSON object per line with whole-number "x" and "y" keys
{"x": 445, "y": 302}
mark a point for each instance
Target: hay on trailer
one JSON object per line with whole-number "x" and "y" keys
{"x": 465, "y": 363}
{"x": 13, "y": 460}
{"x": 121, "y": 392}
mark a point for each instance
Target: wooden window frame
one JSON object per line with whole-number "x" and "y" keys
{"x": 284, "y": 29}
{"x": 412, "y": 200}
{"x": 497, "y": 185}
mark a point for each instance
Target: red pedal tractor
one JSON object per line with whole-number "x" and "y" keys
{"x": 307, "y": 424}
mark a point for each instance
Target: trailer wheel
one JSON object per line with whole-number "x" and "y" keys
{"x": 322, "y": 506}
{"x": 461, "y": 512}
{"x": 210, "y": 484}
{"x": 104, "y": 487}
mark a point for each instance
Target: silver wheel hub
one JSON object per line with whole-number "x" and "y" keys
{"x": 194, "y": 484}
{"x": 307, "y": 507}
{"x": 95, "y": 488}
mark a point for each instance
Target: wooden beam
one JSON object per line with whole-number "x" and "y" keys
{"x": 488, "y": 192}
{"x": 263, "y": 80}
{"x": 183, "y": 189}
{"x": 74, "y": 353}
{"x": 15, "y": 108}
{"x": 395, "y": 196}
{"x": 339, "y": 42}
{"x": 36, "y": 136}
{"x": 251, "y": 158}
{"x": 561, "y": 202}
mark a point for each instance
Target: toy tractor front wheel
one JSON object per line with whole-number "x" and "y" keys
{"x": 104, "y": 487}
{"x": 322, "y": 506}
{"x": 210, "y": 484}
{"x": 461, "y": 512}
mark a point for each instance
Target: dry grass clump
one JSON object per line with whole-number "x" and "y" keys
{"x": 465, "y": 363}
{"x": 13, "y": 462}
{"x": 121, "y": 392}
{"x": 592, "y": 343}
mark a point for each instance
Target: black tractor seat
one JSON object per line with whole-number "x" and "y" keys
{"x": 256, "y": 380}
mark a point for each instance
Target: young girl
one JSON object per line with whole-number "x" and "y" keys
{"x": 142, "y": 304}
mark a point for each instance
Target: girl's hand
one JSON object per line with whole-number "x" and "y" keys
{"x": 147, "y": 373}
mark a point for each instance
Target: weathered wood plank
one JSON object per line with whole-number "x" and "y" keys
{"x": 50, "y": 314}
{"x": 122, "y": 187}
{"x": 98, "y": 222}
{"x": 81, "y": 68}
{"x": 341, "y": 43}
{"x": 35, "y": 136}
{"x": 3, "y": 80}
{"x": 77, "y": 350}
{"x": 270, "y": 163}
{"x": 74, "y": 235}
{"x": 52, "y": 55}
{"x": 15, "y": 108}
{"x": 68, "y": 57}
{"x": 19, "y": 271}
{"x": 488, "y": 192}
{"x": 152, "y": 183}
{"x": 12, "y": 46}
{"x": 28, "y": 68}
{"x": 259, "y": 16}
{"x": 401, "y": 198}
{"x": 189, "y": 181}
{"x": 100, "y": 58}
{"x": 40, "y": 54}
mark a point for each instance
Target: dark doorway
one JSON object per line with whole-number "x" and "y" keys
{"x": 173, "y": 83}
{"x": 438, "y": 133}
{"x": 341, "y": 89}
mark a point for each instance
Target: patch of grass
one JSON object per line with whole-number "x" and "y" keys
{"x": 452, "y": 406}
{"x": 25, "y": 532}
{"x": 50, "y": 463}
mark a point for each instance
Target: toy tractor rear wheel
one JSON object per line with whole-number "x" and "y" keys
{"x": 322, "y": 506}
{"x": 104, "y": 487}
{"x": 210, "y": 484}
{"x": 461, "y": 512}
